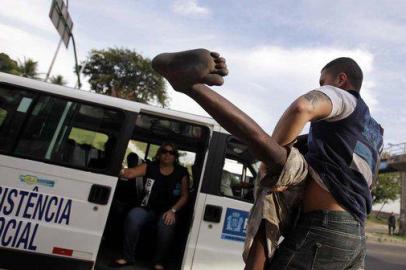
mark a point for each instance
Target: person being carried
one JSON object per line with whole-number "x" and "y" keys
{"x": 343, "y": 151}
{"x": 160, "y": 203}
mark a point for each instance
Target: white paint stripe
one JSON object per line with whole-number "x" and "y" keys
{"x": 82, "y": 255}
{"x": 360, "y": 165}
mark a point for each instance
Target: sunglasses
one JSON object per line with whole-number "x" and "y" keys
{"x": 164, "y": 151}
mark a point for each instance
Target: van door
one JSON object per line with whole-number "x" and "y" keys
{"x": 59, "y": 161}
{"x": 228, "y": 188}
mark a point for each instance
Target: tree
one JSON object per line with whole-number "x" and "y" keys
{"x": 58, "y": 80}
{"x": 126, "y": 74}
{"x": 387, "y": 188}
{"x": 8, "y": 65}
{"x": 28, "y": 68}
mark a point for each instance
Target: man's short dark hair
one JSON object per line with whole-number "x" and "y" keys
{"x": 349, "y": 67}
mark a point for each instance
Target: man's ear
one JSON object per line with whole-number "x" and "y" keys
{"x": 341, "y": 78}
{"x": 343, "y": 81}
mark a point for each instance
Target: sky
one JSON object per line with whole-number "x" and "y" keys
{"x": 274, "y": 49}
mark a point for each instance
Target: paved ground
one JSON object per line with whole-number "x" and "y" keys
{"x": 384, "y": 251}
{"x": 385, "y": 256}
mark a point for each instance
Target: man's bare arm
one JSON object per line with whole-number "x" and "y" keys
{"x": 312, "y": 106}
{"x": 240, "y": 125}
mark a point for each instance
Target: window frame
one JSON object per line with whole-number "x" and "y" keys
{"x": 124, "y": 133}
{"x": 215, "y": 163}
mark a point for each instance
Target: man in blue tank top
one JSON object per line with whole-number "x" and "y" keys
{"x": 342, "y": 159}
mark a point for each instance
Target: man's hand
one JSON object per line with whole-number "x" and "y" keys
{"x": 169, "y": 217}
{"x": 187, "y": 68}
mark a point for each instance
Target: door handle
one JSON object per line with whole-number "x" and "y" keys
{"x": 212, "y": 213}
{"x": 99, "y": 194}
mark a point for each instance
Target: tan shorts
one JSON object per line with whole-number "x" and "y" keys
{"x": 278, "y": 209}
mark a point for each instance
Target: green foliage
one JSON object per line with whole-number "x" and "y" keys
{"x": 387, "y": 188}
{"x": 59, "y": 80}
{"x": 28, "y": 68}
{"x": 126, "y": 74}
{"x": 8, "y": 65}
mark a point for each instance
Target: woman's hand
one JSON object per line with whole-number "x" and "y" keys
{"x": 125, "y": 173}
{"x": 130, "y": 173}
{"x": 169, "y": 217}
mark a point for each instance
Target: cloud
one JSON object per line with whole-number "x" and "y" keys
{"x": 34, "y": 13}
{"x": 189, "y": 8}
{"x": 13, "y": 41}
{"x": 263, "y": 81}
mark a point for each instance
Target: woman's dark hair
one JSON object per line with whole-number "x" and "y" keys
{"x": 174, "y": 149}
{"x": 349, "y": 67}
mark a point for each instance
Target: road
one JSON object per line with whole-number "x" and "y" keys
{"x": 383, "y": 256}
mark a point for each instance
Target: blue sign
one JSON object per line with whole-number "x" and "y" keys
{"x": 235, "y": 225}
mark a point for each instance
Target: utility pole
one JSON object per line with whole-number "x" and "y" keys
{"x": 62, "y": 21}
{"x": 398, "y": 161}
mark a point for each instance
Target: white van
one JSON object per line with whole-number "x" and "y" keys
{"x": 59, "y": 179}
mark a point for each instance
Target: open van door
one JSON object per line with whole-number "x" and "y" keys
{"x": 228, "y": 188}
{"x": 59, "y": 161}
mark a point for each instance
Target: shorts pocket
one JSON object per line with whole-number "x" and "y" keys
{"x": 330, "y": 258}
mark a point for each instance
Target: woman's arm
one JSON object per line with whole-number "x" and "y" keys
{"x": 130, "y": 173}
{"x": 184, "y": 195}
{"x": 169, "y": 216}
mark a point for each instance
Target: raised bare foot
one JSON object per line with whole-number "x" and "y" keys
{"x": 187, "y": 68}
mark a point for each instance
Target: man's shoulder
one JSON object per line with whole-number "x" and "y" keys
{"x": 343, "y": 102}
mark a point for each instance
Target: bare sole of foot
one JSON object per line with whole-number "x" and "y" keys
{"x": 187, "y": 68}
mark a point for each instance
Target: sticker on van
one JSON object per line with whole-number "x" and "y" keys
{"x": 235, "y": 225}
{"x": 33, "y": 180}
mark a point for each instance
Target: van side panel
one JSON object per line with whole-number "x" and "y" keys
{"x": 222, "y": 219}
{"x": 45, "y": 209}
{"x": 15, "y": 259}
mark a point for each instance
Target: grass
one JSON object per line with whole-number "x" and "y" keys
{"x": 387, "y": 236}
{"x": 380, "y": 220}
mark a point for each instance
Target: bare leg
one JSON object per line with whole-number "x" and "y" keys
{"x": 258, "y": 252}
{"x": 184, "y": 69}
{"x": 190, "y": 72}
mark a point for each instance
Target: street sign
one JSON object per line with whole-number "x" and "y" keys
{"x": 61, "y": 19}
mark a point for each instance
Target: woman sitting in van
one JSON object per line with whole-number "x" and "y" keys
{"x": 165, "y": 193}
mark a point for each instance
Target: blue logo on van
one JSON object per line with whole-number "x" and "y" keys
{"x": 33, "y": 180}
{"x": 235, "y": 225}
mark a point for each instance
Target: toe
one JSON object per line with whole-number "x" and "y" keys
{"x": 221, "y": 66}
{"x": 221, "y": 71}
{"x": 214, "y": 79}
{"x": 215, "y": 55}
{"x": 220, "y": 60}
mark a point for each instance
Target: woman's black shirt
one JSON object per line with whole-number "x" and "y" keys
{"x": 161, "y": 192}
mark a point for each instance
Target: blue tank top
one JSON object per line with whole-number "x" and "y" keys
{"x": 345, "y": 154}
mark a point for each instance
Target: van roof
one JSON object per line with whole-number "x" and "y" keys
{"x": 105, "y": 100}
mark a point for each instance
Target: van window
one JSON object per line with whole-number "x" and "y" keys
{"x": 238, "y": 173}
{"x": 57, "y": 129}
{"x": 152, "y": 150}
{"x": 3, "y": 115}
{"x": 14, "y": 106}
